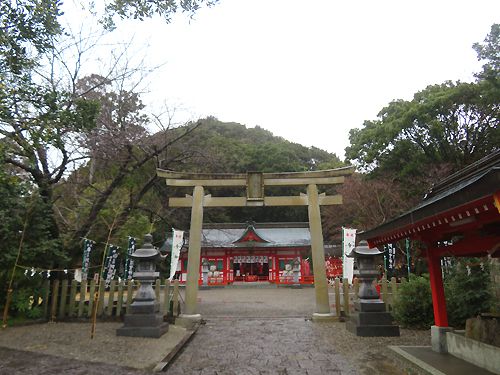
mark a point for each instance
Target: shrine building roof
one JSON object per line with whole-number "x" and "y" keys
{"x": 263, "y": 235}
{"x": 465, "y": 205}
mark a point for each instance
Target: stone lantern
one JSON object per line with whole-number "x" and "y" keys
{"x": 204, "y": 271}
{"x": 296, "y": 273}
{"x": 145, "y": 319}
{"x": 371, "y": 317}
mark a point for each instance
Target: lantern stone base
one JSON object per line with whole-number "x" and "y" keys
{"x": 144, "y": 320}
{"x": 371, "y": 320}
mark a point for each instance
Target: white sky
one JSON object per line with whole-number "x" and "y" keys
{"x": 308, "y": 70}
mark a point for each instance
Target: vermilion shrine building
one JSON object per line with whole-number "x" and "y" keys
{"x": 459, "y": 217}
{"x": 257, "y": 252}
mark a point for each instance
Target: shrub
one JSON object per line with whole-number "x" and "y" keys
{"x": 413, "y": 303}
{"x": 468, "y": 292}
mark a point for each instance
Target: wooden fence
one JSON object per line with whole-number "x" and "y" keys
{"x": 346, "y": 294}
{"x": 74, "y": 300}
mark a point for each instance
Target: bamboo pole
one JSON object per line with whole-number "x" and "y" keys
{"x": 11, "y": 280}
{"x": 97, "y": 297}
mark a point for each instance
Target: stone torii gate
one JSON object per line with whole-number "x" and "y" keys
{"x": 255, "y": 183}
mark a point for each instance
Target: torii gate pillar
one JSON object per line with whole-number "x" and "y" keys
{"x": 191, "y": 311}
{"x": 318, "y": 256}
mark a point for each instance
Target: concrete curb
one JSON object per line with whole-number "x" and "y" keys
{"x": 163, "y": 365}
{"x": 417, "y": 364}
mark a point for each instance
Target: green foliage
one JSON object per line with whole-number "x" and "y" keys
{"x": 27, "y": 26}
{"x": 444, "y": 128}
{"x": 468, "y": 292}
{"x": 454, "y": 123}
{"x": 413, "y": 303}
{"x": 227, "y": 147}
{"x": 26, "y": 298}
{"x": 141, "y": 9}
{"x": 489, "y": 52}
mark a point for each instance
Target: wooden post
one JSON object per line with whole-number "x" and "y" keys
{"x": 175, "y": 299}
{"x": 193, "y": 271}
{"x": 46, "y": 297}
{"x": 130, "y": 292}
{"x": 111, "y": 298}
{"x": 394, "y": 290}
{"x": 83, "y": 298}
{"x": 337, "y": 296}
{"x": 100, "y": 301}
{"x": 322, "y": 310}
{"x": 345, "y": 288}
{"x": 55, "y": 295}
{"x": 72, "y": 297}
{"x": 157, "y": 290}
{"x": 384, "y": 293}
{"x": 438, "y": 298}
{"x": 91, "y": 298}
{"x": 166, "y": 297}
{"x": 119, "y": 303}
{"x": 356, "y": 288}
{"x": 64, "y": 294}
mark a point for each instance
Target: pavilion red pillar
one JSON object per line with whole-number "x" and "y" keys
{"x": 438, "y": 297}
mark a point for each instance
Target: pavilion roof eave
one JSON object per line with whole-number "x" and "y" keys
{"x": 473, "y": 189}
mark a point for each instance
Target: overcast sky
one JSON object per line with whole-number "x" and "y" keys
{"x": 308, "y": 70}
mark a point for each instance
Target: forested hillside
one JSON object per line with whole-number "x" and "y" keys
{"x": 232, "y": 148}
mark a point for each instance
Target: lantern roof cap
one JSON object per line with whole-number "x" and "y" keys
{"x": 363, "y": 250}
{"x": 147, "y": 251}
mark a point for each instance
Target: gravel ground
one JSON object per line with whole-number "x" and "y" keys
{"x": 72, "y": 340}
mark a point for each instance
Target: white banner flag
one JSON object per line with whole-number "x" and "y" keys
{"x": 177, "y": 242}
{"x": 348, "y": 243}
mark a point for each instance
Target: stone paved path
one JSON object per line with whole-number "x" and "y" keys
{"x": 261, "y": 346}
